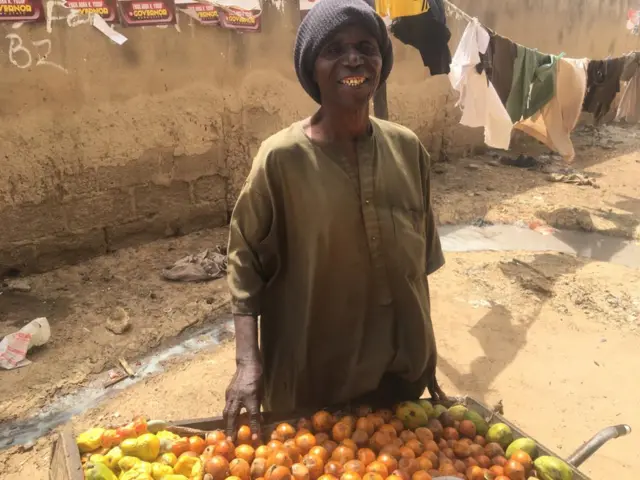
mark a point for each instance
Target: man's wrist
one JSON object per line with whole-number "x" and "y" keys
{"x": 248, "y": 358}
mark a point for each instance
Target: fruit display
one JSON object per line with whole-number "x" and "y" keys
{"x": 412, "y": 441}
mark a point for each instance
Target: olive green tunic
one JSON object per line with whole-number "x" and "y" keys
{"x": 334, "y": 258}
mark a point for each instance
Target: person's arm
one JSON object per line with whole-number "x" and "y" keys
{"x": 434, "y": 254}
{"x": 434, "y": 261}
{"x": 251, "y": 254}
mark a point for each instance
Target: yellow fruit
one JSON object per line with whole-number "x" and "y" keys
{"x": 96, "y": 458}
{"x": 167, "y": 459}
{"x": 90, "y": 440}
{"x": 140, "y": 471}
{"x": 130, "y": 447}
{"x": 412, "y": 415}
{"x": 126, "y": 463}
{"x": 159, "y": 471}
{"x": 148, "y": 447}
{"x": 98, "y": 471}
{"x": 552, "y": 468}
{"x": 133, "y": 475}
{"x": 500, "y": 434}
{"x": 112, "y": 458}
{"x": 186, "y": 466}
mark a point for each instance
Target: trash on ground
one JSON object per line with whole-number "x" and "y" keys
{"x": 17, "y": 285}
{"x": 573, "y": 178}
{"x": 14, "y": 347}
{"x": 207, "y": 265}
{"x": 542, "y": 228}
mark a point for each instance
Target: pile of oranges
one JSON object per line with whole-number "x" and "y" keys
{"x": 369, "y": 445}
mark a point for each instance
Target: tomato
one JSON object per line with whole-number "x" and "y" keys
{"x": 215, "y": 437}
{"x": 111, "y": 438}
{"x": 128, "y": 431}
{"x": 180, "y": 446}
{"x": 197, "y": 444}
{"x": 140, "y": 426}
{"x": 208, "y": 453}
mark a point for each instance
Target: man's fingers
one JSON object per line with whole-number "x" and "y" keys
{"x": 255, "y": 417}
{"x": 441, "y": 394}
{"x": 435, "y": 391}
{"x": 230, "y": 415}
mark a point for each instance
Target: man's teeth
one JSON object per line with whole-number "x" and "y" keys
{"x": 353, "y": 81}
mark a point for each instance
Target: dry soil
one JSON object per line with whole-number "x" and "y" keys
{"x": 553, "y": 336}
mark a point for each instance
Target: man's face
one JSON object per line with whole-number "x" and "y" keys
{"x": 348, "y": 68}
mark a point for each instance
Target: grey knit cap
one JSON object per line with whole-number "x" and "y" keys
{"x": 321, "y": 22}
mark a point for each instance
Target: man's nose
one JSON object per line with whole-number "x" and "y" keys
{"x": 353, "y": 58}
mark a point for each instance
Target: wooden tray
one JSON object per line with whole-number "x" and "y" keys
{"x": 66, "y": 463}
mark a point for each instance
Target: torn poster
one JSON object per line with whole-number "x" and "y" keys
{"x": 99, "y": 23}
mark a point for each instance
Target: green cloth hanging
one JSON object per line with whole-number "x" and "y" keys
{"x": 534, "y": 83}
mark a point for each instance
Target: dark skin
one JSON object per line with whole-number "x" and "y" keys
{"x": 348, "y": 74}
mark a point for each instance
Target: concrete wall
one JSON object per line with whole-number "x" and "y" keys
{"x": 103, "y": 146}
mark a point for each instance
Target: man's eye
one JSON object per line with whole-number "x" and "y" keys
{"x": 367, "y": 48}
{"x": 334, "y": 49}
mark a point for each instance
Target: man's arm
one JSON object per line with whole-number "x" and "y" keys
{"x": 251, "y": 254}
{"x": 434, "y": 254}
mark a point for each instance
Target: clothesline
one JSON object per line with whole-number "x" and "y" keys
{"x": 455, "y": 11}
{"x": 459, "y": 14}
{"x": 505, "y": 86}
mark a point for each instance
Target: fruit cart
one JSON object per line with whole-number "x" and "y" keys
{"x": 66, "y": 462}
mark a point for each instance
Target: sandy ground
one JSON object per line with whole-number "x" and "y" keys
{"x": 553, "y": 336}
{"x": 79, "y": 301}
{"x": 481, "y": 187}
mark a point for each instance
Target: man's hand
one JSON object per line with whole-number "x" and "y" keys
{"x": 244, "y": 390}
{"x": 434, "y": 389}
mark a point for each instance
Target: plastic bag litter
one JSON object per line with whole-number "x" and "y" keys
{"x": 14, "y": 347}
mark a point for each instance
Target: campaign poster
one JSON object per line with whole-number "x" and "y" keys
{"x": 21, "y": 11}
{"x": 135, "y": 13}
{"x": 104, "y": 8}
{"x": 204, "y": 13}
{"x": 235, "y": 18}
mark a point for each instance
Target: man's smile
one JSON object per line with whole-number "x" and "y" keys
{"x": 353, "y": 81}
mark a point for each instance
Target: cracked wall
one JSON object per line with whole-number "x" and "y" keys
{"x": 105, "y": 146}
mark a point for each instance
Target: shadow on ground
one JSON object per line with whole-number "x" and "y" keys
{"x": 502, "y": 333}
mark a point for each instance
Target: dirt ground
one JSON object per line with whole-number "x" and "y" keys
{"x": 553, "y": 336}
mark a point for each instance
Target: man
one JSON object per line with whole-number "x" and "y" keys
{"x": 332, "y": 239}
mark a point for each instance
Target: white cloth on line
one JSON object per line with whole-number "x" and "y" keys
{"x": 480, "y": 103}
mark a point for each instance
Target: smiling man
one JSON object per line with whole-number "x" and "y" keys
{"x": 332, "y": 239}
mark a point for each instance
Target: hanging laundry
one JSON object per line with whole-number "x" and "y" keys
{"x": 553, "y": 124}
{"x": 498, "y": 63}
{"x": 481, "y": 105}
{"x": 629, "y": 108}
{"x": 603, "y": 84}
{"x": 429, "y": 34}
{"x": 533, "y": 85}
{"x": 401, "y": 8}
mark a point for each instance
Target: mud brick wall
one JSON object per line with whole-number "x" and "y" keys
{"x": 105, "y": 146}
